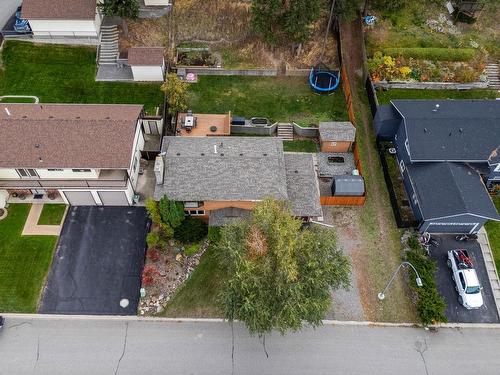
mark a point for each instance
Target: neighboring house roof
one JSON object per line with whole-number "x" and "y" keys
{"x": 237, "y": 169}
{"x": 450, "y": 189}
{"x": 145, "y": 56}
{"x": 302, "y": 185}
{"x": 452, "y": 130}
{"x": 337, "y": 131}
{"x": 59, "y": 9}
{"x": 67, "y": 135}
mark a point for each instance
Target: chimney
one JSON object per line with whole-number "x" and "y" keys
{"x": 159, "y": 169}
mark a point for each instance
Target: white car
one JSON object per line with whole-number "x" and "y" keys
{"x": 465, "y": 277}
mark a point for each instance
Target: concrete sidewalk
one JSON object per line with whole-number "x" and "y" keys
{"x": 490, "y": 266}
{"x": 31, "y": 227}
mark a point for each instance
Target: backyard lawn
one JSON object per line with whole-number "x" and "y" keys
{"x": 52, "y": 214}
{"x": 279, "y": 99}
{"x": 24, "y": 262}
{"x": 384, "y": 97}
{"x": 66, "y": 74}
{"x": 300, "y": 145}
{"x": 493, "y": 229}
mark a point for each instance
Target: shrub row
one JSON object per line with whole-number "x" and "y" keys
{"x": 430, "y": 305}
{"x": 433, "y": 53}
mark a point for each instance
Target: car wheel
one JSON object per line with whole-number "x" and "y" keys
{"x": 460, "y": 300}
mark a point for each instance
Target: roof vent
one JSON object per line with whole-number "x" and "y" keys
{"x": 264, "y": 154}
{"x": 77, "y": 116}
{"x": 40, "y": 160}
{"x": 222, "y": 154}
{"x": 7, "y": 111}
{"x": 37, "y": 145}
{"x": 178, "y": 154}
{"x": 241, "y": 154}
{"x": 51, "y": 116}
{"x": 202, "y": 154}
{"x": 25, "y": 116}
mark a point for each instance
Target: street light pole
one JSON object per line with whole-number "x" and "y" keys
{"x": 418, "y": 280}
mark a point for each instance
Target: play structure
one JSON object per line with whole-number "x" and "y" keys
{"x": 323, "y": 80}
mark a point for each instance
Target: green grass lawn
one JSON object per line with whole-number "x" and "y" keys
{"x": 493, "y": 229}
{"x": 24, "y": 262}
{"x": 279, "y": 99}
{"x": 198, "y": 296}
{"x": 384, "y": 97}
{"x": 66, "y": 74}
{"x": 52, "y": 214}
{"x": 300, "y": 145}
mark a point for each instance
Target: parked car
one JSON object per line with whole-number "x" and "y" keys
{"x": 466, "y": 280}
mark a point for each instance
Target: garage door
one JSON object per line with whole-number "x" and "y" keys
{"x": 113, "y": 198}
{"x": 451, "y": 228}
{"x": 80, "y": 198}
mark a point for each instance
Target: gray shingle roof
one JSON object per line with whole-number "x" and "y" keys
{"x": 244, "y": 168}
{"x": 302, "y": 185}
{"x": 447, "y": 189}
{"x": 337, "y": 131}
{"x": 457, "y": 130}
{"x": 238, "y": 169}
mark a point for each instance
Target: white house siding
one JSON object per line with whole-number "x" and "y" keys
{"x": 66, "y": 28}
{"x": 136, "y": 157}
{"x": 150, "y": 3}
{"x": 129, "y": 193}
{"x": 67, "y": 174}
{"x": 8, "y": 173}
{"x": 147, "y": 73}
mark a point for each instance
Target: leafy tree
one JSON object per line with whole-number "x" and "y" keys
{"x": 191, "y": 230}
{"x": 279, "y": 274}
{"x": 266, "y": 18}
{"x": 176, "y": 91}
{"x": 154, "y": 213}
{"x": 120, "y": 8}
{"x": 347, "y": 9}
{"x": 171, "y": 212}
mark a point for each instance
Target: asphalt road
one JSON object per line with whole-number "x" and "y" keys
{"x": 119, "y": 346}
{"x": 455, "y": 312}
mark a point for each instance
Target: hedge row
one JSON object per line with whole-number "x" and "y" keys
{"x": 431, "y": 306}
{"x": 433, "y": 53}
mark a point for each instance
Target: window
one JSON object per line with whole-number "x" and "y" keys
{"x": 497, "y": 168}
{"x": 27, "y": 173}
{"x": 462, "y": 280}
{"x": 81, "y": 170}
{"x": 195, "y": 212}
{"x": 334, "y": 143}
{"x": 402, "y": 166}
{"x": 55, "y": 170}
{"x": 191, "y": 204}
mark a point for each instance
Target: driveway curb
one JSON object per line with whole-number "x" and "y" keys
{"x": 491, "y": 269}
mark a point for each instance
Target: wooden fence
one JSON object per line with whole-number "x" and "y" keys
{"x": 342, "y": 201}
{"x": 347, "y": 93}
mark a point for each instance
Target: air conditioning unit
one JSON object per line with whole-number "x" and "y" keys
{"x": 159, "y": 169}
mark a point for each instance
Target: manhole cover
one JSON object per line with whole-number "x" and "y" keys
{"x": 124, "y": 302}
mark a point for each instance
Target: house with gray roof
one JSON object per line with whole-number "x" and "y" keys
{"x": 210, "y": 174}
{"x": 448, "y": 155}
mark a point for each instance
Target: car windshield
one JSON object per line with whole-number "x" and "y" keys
{"x": 472, "y": 290}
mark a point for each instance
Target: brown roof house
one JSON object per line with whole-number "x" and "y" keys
{"x": 147, "y": 63}
{"x": 87, "y": 153}
{"x": 337, "y": 136}
{"x": 63, "y": 18}
{"x": 221, "y": 178}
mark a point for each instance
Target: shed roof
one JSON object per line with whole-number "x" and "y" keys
{"x": 337, "y": 131}
{"x": 452, "y": 130}
{"x": 67, "y": 135}
{"x": 59, "y": 9}
{"x": 450, "y": 189}
{"x": 146, "y": 56}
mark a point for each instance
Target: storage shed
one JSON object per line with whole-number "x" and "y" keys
{"x": 348, "y": 186}
{"x": 147, "y": 63}
{"x": 336, "y": 136}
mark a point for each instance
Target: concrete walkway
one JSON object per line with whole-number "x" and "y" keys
{"x": 31, "y": 227}
{"x": 490, "y": 266}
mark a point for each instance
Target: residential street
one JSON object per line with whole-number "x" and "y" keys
{"x": 127, "y": 346}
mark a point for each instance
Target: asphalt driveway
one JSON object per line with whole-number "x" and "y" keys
{"x": 98, "y": 262}
{"x": 455, "y": 312}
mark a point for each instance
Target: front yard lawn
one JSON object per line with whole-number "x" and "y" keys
{"x": 385, "y": 96}
{"x": 279, "y": 99}
{"x": 493, "y": 229}
{"x": 198, "y": 296}
{"x": 24, "y": 262}
{"x": 52, "y": 214}
{"x": 300, "y": 145}
{"x": 66, "y": 74}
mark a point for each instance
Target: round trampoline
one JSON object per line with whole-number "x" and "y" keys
{"x": 323, "y": 80}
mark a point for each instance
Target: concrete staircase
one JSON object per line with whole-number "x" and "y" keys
{"x": 108, "y": 47}
{"x": 285, "y": 131}
{"x": 493, "y": 74}
{"x": 490, "y": 266}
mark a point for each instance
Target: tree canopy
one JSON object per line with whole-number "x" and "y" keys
{"x": 176, "y": 91}
{"x": 120, "y": 8}
{"x": 279, "y": 274}
{"x": 285, "y": 20}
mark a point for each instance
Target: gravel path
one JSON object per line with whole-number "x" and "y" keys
{"x": 346, "y": 304}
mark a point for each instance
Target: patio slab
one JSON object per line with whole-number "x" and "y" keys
{"x": 114, "y": 73}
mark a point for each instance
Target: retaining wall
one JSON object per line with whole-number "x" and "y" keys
{"x": 254, "y": 130}
{"x": 431, "y": 85}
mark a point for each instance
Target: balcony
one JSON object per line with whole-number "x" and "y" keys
{"x": 106, "y": 179}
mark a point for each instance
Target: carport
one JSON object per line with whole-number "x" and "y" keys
{"x": 98, "y": 262}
